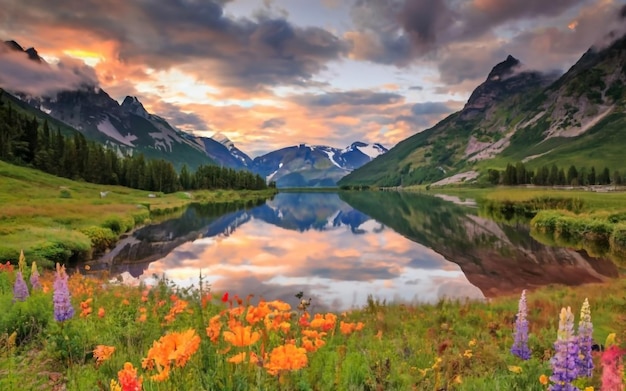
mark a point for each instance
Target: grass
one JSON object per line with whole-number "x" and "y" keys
{"x": 48, "y": 216}
{"x": 452, "y": 345}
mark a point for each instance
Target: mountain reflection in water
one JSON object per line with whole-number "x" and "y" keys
{"x": 394, "y": 247}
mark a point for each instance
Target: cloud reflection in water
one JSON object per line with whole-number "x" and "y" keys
{"x": 337, "y": 267}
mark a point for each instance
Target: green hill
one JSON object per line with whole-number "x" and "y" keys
{"x": 515, "y": 116}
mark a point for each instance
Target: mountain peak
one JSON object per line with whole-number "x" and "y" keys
{"x": 132, "y": 105}
{"x": 504, "y": 68}
{"x": 222, "y": 139}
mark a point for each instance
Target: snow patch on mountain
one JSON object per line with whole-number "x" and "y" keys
{"x": 371, "y": 150}
{"x": 107, "y": 128}
{"x": 331, "y": 156}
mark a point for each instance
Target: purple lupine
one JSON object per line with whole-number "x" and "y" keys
{"x": 564, "y": 361}
{"x": 20, "y": 290}
{"x": 63, "y": 309}
{"x": 585, "y": 338}
{"x": 520, "y": 335}
{"x": 34, "y": 277}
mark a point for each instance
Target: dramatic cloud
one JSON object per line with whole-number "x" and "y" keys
{"x": 19, "y": 73}
{"x": 239, "y": 52}
{"x": 354, "y": 98}
{"x": 430, "y": 108}
{"x": 188, "y": 121}
{"x": 273, "y": 123}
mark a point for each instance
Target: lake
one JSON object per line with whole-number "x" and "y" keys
{"x": 340, "y": 249}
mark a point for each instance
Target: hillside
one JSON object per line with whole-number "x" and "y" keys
{"x": 518, "y": 116}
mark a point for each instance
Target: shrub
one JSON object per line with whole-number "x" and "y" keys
{"x": 101, "y": 238}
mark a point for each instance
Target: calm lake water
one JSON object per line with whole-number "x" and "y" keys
{"x": 339, "y": 249}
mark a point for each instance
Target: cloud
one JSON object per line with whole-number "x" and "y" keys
{"x": 430, "y": 108}
{"x": 399, "y": 31}
{"x": 416, "y": 88}
{"x": 273, "y": 123}
{"x": 353, "y": 98}
{"x": 175, "y": 115}
{"x": 18, "y": 73}
{"x": 238, "y": 52}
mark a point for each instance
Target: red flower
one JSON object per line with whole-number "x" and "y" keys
{"x": 225, "y": 297}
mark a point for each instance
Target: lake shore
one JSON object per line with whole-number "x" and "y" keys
{"x": 58, "y": 220}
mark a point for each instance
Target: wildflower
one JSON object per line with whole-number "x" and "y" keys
{"x": 34, "y": 277}
{"x": 8, "y": 267}
{"x": 103, "y": 353}
{"x": 225, "y": 297}
{"x": 324, "y": 322}
{"x": 543, "y": 379}
{"x": 20, "y": 290}
{"x": 127, "y": 378}
{"x": 286, "y": 358}
{"x": 85, "y": 307}
{"x": 241, "y": 336}
{"x": 564, "y": 366}
{"x": 21, "y": 263}
{"x": 62, "y": 306}
{"x": 468, "y": 353}
{"x": 349, "y": 328}
{"x": 215, "y": 326}
{"x": 178, "y": 307}
{"x": 241, "y": 357}
{"x": 101, "y": 312}
{"x": 585, "y": 340}
{"x": 520, "y": 343}
{"x": 612, "y": 369}
{"x": 176, "y": 347}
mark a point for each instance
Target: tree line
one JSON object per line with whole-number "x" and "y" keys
{"x": 27, "y": 142}
{"x": 519, "y": 174}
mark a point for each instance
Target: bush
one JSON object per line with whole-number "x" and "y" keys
{"x": 101, "y": 238}
{"x": 65, "y": 194}
{"x": 28, "y": 318}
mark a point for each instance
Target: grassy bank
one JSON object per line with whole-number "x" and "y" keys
{"x": 56, "y": 219}
{"x": 194, "y": 339}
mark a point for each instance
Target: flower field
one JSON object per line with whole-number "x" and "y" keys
{"x": 77, "y": 332}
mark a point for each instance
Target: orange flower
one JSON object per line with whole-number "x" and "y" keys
{"x": 142, "y": 318}
{"x": 103, "y": 353}
{"x": 324, "y": 322}
{"x": 176, "y": 347}
{"x": 241, "y": 336}
{"x": 125, "y": 302}
{"x": 256, "y": 314}
{"x": 286, "y": 358}
{"x": 312, "y": 345}
{"x": 241, "y": 357}
{"x": 85, "y": 307}
{"x": 178, "y": 307}
{"x": 127, "y": 378}
{"x": 543, "y": 379}
{"x": 101, "y": 312}
{"x": 215, "y": 326}
{"x": 349, "y": 328}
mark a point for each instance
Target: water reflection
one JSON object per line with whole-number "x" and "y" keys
{"x": 314, "y": 243}
{"x": 340, "y": 249}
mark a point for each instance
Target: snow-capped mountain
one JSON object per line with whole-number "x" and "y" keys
{"x": 307, "y": 165}
{"x": 244, "y": 159}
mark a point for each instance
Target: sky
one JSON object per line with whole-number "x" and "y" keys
{"x": 273, "y": 73}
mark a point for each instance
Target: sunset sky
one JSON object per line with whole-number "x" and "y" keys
{"x": 274, "y": 73}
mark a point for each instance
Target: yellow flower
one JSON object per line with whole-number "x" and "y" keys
{"x": 589, "y": 388}
{"x": 515, "y": 369}
{"x": 472, "y": 342}
{"x": 468, "y": 353}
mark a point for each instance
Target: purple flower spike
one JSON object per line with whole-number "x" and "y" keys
{"x": 34, "y": 277}
{"x": 20, "y": 290}
{"x": 585, "y": 338}
{"x": 520, "y": 335}
{"x": 565, "y": 359}
{"x": 63, "y": 309}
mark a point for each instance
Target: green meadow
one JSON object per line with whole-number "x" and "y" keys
{"x": 55, "y": 219}
{"x": 167, "y": 338}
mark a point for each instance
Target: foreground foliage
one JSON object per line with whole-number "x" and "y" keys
{"x": 169, "y": 338}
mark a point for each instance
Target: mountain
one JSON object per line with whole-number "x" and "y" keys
{"x": 518, "y": 115}
{"x": 127, "y": 128}
{"x": 313, "y": 165}
{"x": 241, "y": 157}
